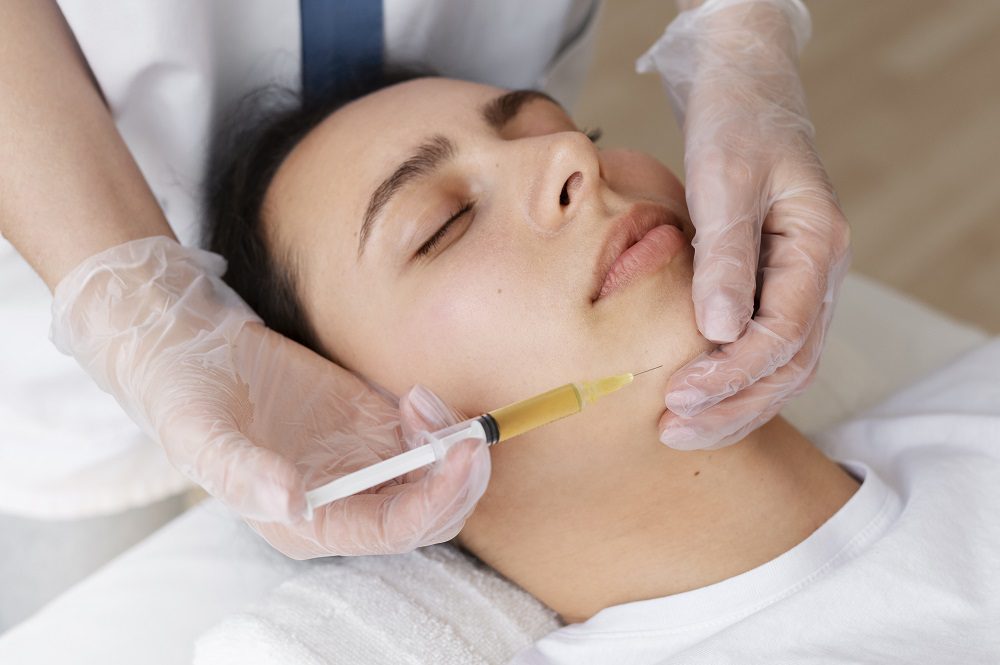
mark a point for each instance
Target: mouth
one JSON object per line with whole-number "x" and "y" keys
{"x": 640, "y": 242}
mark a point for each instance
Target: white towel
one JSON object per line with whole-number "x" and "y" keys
{"x": 435, "y": 605}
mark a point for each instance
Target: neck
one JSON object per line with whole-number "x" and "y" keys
{"x": 653, "y": 522}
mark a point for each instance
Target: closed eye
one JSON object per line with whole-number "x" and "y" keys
{"x": 439, "y": 235}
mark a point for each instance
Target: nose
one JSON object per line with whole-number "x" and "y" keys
{"x": 565, "y": 173}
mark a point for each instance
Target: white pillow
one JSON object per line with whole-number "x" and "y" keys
{"x": 67, "y": 450}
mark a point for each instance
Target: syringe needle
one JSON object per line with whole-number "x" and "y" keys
{"x": 647, "y": 370}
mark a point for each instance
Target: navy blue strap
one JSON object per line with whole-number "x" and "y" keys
{"x": 341, "y": 45}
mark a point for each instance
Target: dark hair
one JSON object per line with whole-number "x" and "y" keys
{"x": 255, "y": 140}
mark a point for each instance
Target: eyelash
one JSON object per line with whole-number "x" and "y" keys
{"x": 432, "y": 242}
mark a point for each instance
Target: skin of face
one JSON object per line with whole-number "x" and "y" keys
{"x": 502, "y": 309}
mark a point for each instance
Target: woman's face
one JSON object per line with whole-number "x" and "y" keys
{"x": 501, "y": 304}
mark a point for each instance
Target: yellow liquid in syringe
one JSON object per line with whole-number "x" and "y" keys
{"x": 557, "y": 403}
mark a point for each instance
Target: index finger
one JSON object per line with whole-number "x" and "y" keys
{"x": 795, "y": 285}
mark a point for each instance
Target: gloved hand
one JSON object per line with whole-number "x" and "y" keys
{"x": 253, "y": 417}
{"x": 765, "y": 215}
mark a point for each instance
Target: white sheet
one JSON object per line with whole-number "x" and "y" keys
{"x": 151, "y": 604}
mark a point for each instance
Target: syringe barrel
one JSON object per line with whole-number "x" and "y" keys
{"x": 536, "y": 411}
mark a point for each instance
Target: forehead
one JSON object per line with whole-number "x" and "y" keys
{"x": 367, "y": 136}
{"x": 327, "y": 178}
{"x": 447, "y": 99}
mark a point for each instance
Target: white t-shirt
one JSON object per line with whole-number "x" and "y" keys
{"x": 907, "y": 571}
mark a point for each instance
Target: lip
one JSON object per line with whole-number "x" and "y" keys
{"x": 636, "y": 246}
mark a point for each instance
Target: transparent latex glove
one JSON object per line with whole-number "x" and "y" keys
{"x": 449, "y": 492}
{"x": 251, "y": 416}
{"x": 424, "y": 507}
{"x": 767, "y": 220}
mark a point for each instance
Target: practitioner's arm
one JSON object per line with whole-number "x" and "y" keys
{"x": 69, "y": 187}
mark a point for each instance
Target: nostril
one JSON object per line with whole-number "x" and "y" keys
{"x": 572, "y": 183}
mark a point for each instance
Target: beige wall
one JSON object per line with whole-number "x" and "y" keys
{"x": 905, "y": 96}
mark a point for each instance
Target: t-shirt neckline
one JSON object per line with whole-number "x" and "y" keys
{"x": 858, "y": 523}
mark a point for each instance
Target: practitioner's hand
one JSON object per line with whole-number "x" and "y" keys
{"x": 253, "y": 417}
{"x": 351, "y": 427}
{"x": 765, "y": 215}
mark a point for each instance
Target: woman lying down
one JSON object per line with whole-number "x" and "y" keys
{"x": 486, "y": 256}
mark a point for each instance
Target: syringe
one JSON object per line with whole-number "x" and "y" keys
{"x": 492, "y": 427}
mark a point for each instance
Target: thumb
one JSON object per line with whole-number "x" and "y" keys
{"x": 466, "y": 466}
{"x": 420, "y": 410}
{"x": 726, "y": 249}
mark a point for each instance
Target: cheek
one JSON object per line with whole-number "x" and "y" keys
{"x": 635, "y": 173}
{"x": 490, "y": 337}
{"x": 449, "y": 334}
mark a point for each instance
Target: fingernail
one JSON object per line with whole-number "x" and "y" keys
{"x": 685, "y": 401}
{"x": 720, "y": 325}
{"x": 426, "y": 404}
{"x": 681, "y": 438}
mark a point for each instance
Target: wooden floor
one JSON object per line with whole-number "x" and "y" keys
{"x": 905, "y": 96}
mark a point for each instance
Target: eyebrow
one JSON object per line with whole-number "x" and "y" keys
{"x": 428, "y": 157}
{"x": 437, "y": 150}
{"x": 499, "y": 111}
